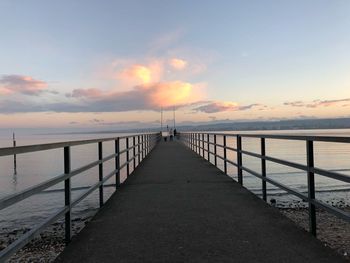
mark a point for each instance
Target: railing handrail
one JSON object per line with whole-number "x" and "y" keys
{"x": 320, "y": 138}
{"x": 201, "y": 145}
{"x": 145, "y": 143}
{"x": 5, "y": 151}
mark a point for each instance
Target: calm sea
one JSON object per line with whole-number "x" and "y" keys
{"x": 33, "y": 168}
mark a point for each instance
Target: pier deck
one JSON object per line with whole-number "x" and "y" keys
{"x": 176, "y": 207}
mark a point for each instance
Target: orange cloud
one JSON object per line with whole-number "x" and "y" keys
{"x": 143, "y": 97}
{"x": 168, "y": 94}
{"x": 178, "y": 64}
{"x": 141, "y": 74}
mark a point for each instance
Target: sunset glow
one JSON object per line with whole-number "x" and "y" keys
{"x": 277, "y": 61}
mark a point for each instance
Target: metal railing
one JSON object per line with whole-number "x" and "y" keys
{"x": 200, "y": 143}
{"x": 142, "y": 144}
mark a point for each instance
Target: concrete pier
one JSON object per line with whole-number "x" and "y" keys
{"x": 177, "y": 207}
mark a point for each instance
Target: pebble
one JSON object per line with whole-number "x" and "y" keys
{"x": 43, "y": 248}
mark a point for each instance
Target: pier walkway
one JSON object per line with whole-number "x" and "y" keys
{"x": 177, "y": 207}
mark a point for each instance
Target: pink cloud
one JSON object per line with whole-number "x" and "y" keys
{"x": 10, "y": 84}
{"x": 219, "y": 106}
{"x": 89, "y": 93}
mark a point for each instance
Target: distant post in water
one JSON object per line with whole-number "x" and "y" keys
{"x": 14, "y": 156}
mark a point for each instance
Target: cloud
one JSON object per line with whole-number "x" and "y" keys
{"x": 298, "y": 103}
{"x": 146, "y": 89}
{"x": 10, "y": 84}
{"x": 219, "y": 106}
{"x": 317, "y": 103}
{"x": 97, "y": 121}
{"x": 141, "y": 74}
{"x": 178, "y": 64}
{"x": 143, "y": 97}
{"x": 122, "y": 123}
{"x": 89, "y": 93}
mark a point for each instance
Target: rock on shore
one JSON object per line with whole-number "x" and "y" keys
{"x": 331, "y": 230}
{"x": 43, "y": 248}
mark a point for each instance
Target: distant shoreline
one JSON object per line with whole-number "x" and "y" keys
{"x": 254, "y": 126}
{"x": 219, "y": 125}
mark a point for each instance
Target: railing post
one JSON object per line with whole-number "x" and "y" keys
{"x": 198, "y": 144}
{"x": 208, "y": 147}
{"x": 225, "y": 155}
{"x": 117, "y": 162}
{"x": 147, "y": 144}
{"x": 190, "y": 140}
{"x": 127, "y": 157}
{"x": 138, "y": 149}
{"x": 67, "y": 194}
{"x": 203, "y": 145}
{"x": 215, "y": 151}
{"x": 142, "y": 148}
{"x": 194, "y": 142}
{"x": 311, "y": 186}
{"x": 196, "y": 138}
{"x": 263, "y": 167}
{"x": 100, "y": 172}
{"x": 239, "y": 160}
{"x": 134, "y": 150}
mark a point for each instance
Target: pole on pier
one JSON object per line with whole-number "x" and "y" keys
{"x": 14, "y": 156}
{"x": 311, "y": 186}
{"x": 263, "y": 168}
{"x": 225, "y": 155}
{"x": 134, "y": 150}
{"x": 174, "y": 117}
{"x": 67, "y": 195}
{"x": 161, "y": 119}
{"x": 203, "y": 149}
{"x": 208, "y": 146}
{"x": 239, "y": 160}
{"x": 117, "y": 162}
{"x": 100, "y": 172}
{"x": 138, "y": 150}
{"x": 215, "y": 151}
{"x": 127, "y": 157}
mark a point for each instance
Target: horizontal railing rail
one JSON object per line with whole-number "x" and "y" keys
{"x": 201, "y": 142}
{"x": 142, "y": 144}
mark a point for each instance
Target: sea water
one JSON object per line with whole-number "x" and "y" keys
{"x": 37, "y": 167}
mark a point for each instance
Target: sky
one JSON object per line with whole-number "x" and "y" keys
{"x": 117, "y": 64}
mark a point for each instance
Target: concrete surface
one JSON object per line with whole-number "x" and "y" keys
{"x": 177, "y": 207}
